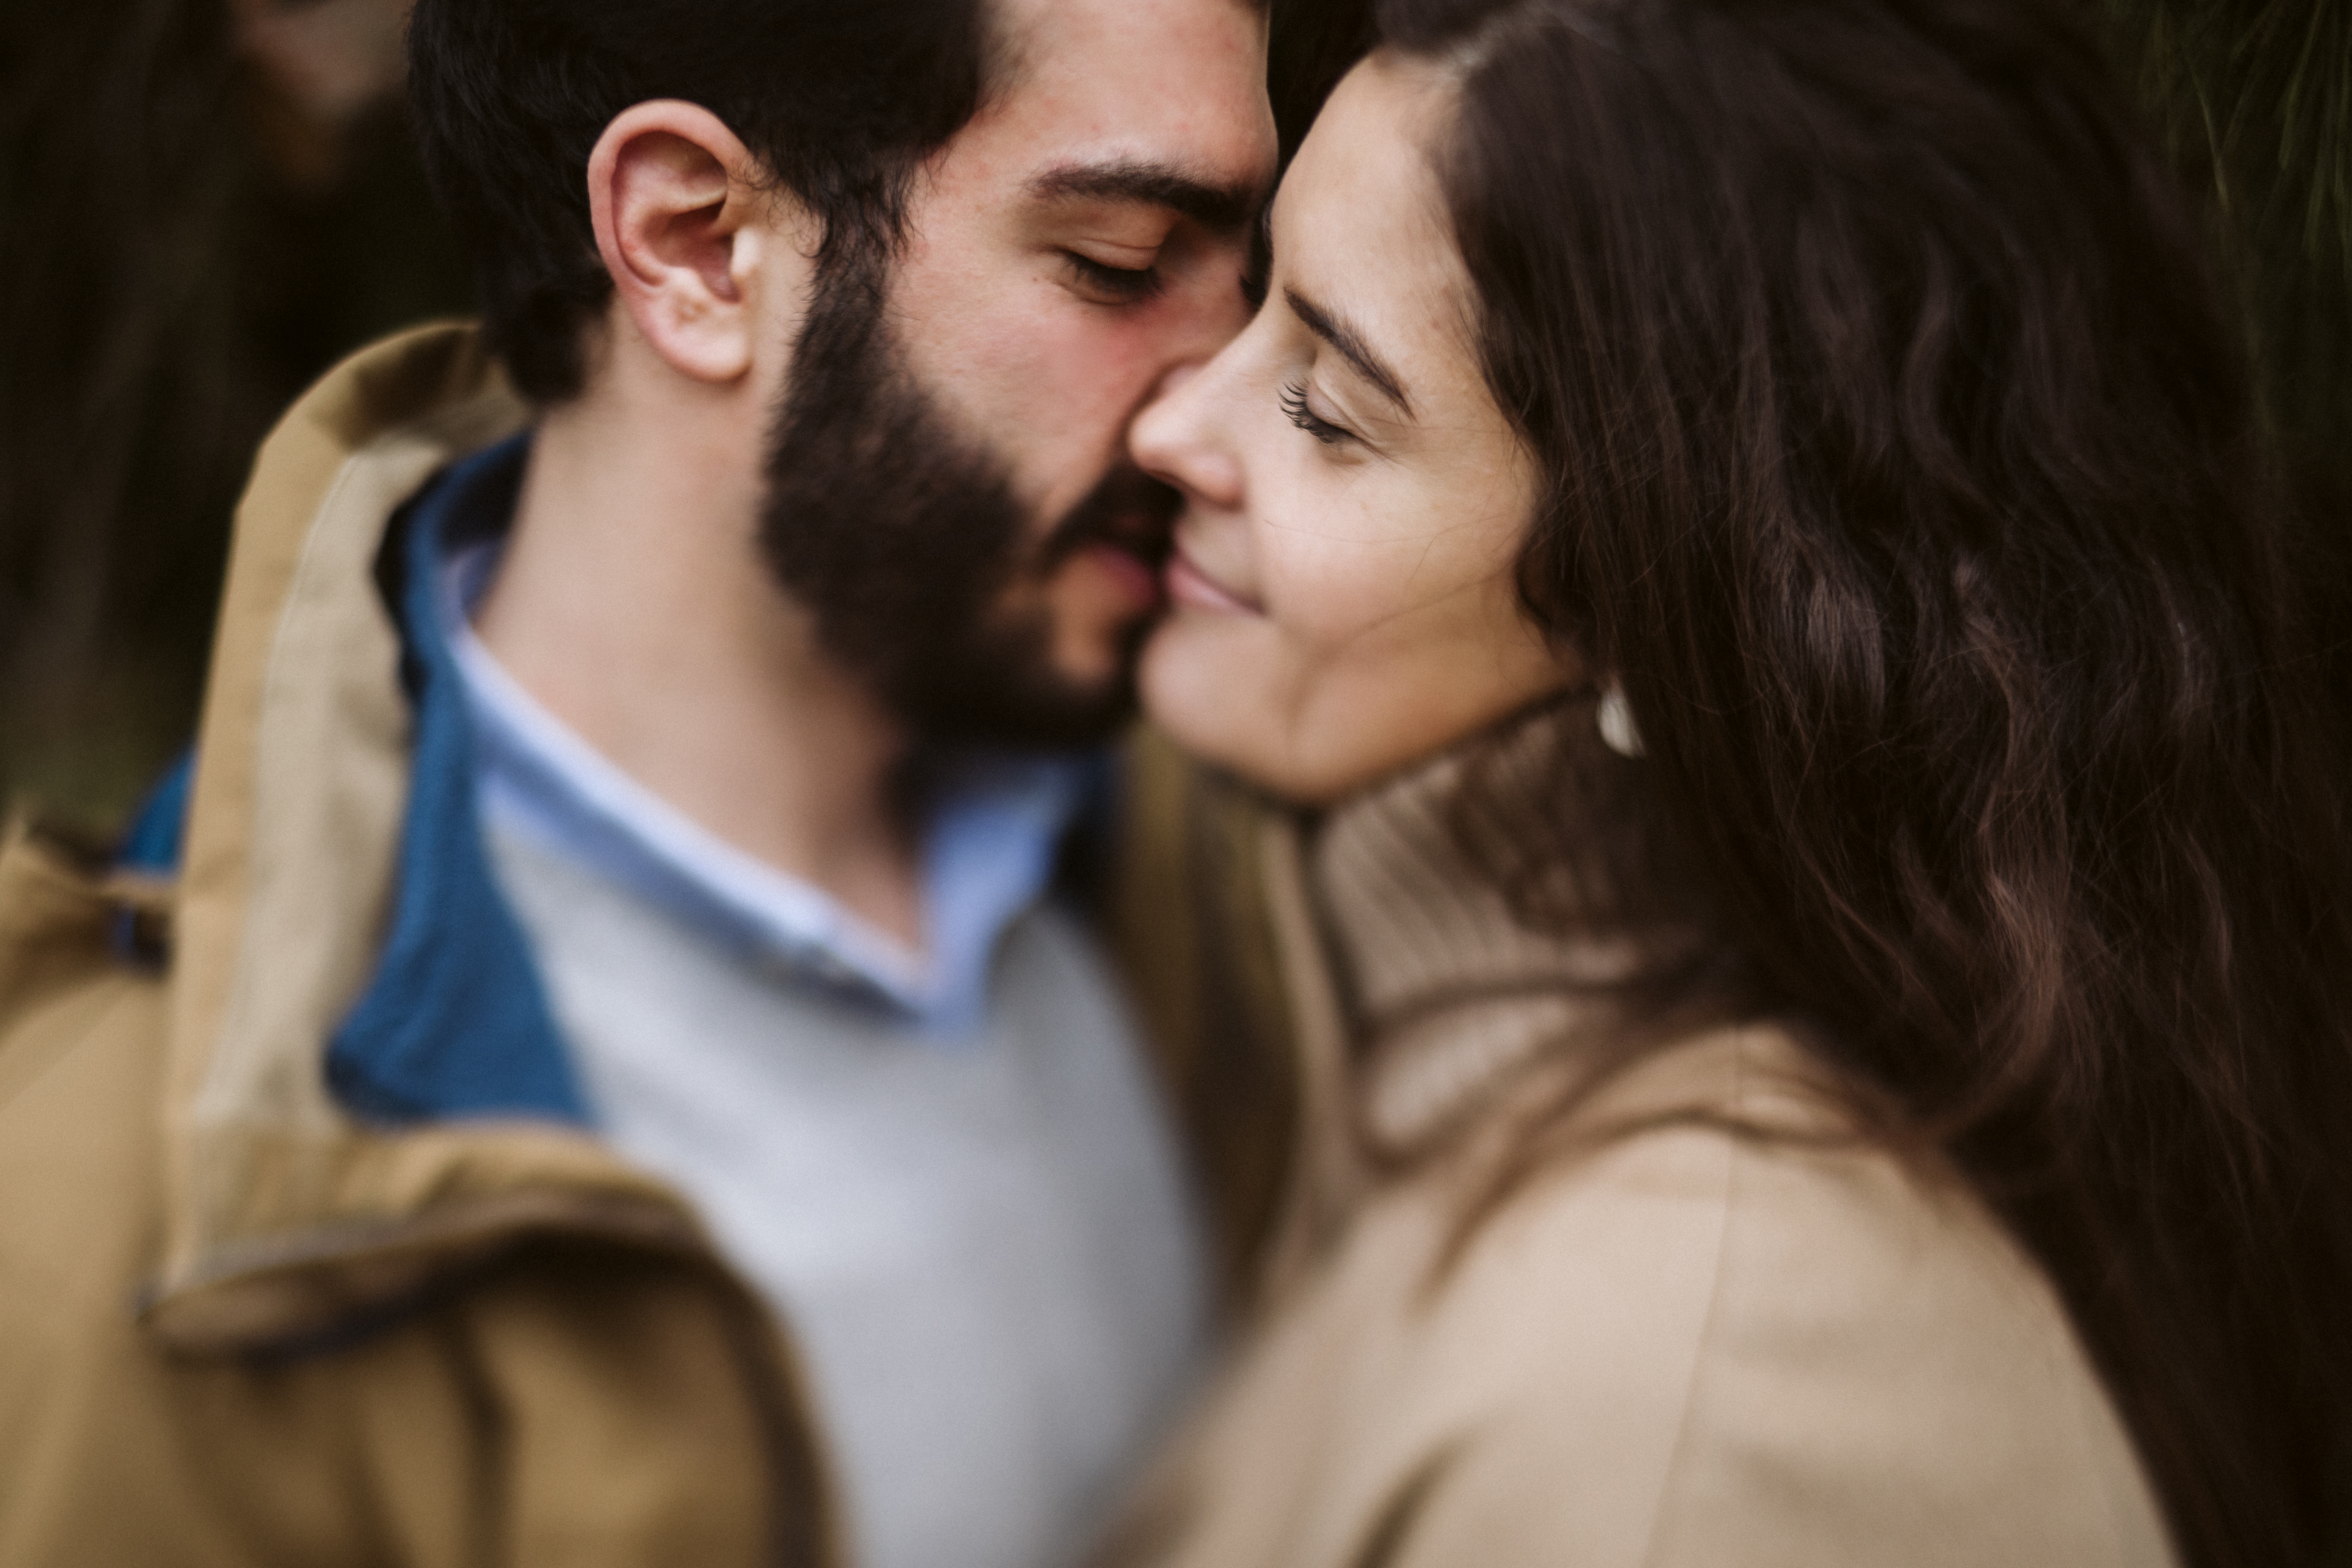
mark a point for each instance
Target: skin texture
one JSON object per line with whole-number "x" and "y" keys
{"x": 634, "y": 601}
{"x": 1342, "y": 590}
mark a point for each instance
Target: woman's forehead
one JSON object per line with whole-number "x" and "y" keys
{"x": 1360, "y": 223}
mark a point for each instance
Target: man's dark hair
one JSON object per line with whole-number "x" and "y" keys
{"x": 838, "y": 101}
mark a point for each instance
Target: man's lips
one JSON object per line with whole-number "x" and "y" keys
{"x": 1195, "y": 589}
{"x": 1128, "y": 510}
{"x": 1133, "y": 575}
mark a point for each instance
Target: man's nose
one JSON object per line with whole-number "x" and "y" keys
{"x": 1218, "y": 315}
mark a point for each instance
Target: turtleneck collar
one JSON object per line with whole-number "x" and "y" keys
{"x": 1486, "y": 908}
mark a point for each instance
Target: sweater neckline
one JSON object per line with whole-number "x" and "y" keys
{"x": 1489, "y": 910}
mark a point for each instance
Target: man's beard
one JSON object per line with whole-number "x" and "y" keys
{"x": 902, "y": 536}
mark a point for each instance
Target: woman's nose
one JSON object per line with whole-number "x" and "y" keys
{"x": 1175, "y": 438}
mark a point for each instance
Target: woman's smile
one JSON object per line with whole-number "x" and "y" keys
{"x": 1190, "y": 587}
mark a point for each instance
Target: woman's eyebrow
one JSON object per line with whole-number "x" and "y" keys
{"x": 1351, "y": 346}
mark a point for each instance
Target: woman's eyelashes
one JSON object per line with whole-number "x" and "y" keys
{"x": 1113, "y": 285}
{"x": 1294, "y": 404}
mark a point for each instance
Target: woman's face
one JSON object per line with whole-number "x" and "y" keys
{"x": 1343, "y": 597}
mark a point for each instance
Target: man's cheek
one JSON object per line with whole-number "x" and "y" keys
{"x": 1079, "y": 375}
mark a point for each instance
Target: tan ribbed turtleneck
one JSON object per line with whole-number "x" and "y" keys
{"x": 1453, "y": 932}
{"x": 1449, "y": 986}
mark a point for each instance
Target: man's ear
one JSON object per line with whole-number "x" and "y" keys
{"x": 676, "y": 201}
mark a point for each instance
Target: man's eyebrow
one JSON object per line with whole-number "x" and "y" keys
{"x": 1220, "y": 209}
{"x": 1351, "y": 346}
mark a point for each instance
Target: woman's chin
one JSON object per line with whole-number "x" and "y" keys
{"x": 1205, "y": 679}
{"x": 1224, "y": 687}
{"x": 1235, "y": 692}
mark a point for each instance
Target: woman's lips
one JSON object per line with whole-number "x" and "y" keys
{"x": 1195, "y": 589}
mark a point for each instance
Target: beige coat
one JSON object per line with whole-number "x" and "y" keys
{"x": 1735, "y": 1335}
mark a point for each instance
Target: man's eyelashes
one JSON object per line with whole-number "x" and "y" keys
{"x": 1113, "y": 285}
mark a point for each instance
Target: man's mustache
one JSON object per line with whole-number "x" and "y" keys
{"x": 1129, "y": 510}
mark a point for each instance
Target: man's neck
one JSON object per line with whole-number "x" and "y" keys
{"x": 634, "y": 605}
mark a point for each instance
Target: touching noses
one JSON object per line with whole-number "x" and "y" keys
{"x": 1174, "y": 438}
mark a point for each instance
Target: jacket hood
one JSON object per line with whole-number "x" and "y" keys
{"x": 285, "y": 1216}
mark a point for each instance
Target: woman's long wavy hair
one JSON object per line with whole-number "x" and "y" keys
{"x": 1902, "y": 467}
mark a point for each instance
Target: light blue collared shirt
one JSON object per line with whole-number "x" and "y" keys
{"x": 988, "y": 850}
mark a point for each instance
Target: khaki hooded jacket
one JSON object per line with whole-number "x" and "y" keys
{"x": 239, "y": 1327}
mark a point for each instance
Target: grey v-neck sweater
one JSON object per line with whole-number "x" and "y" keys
{"x": 984, "y": 1254}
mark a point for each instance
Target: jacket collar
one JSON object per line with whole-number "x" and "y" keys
{"x": 455, "y": 1022}
{"x": 284, "y": 1215}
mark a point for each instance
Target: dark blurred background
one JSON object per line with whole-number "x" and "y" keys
{"x": 206, "y": 203}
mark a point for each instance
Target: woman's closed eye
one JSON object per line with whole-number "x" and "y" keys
{"x": 1294, "y": 404}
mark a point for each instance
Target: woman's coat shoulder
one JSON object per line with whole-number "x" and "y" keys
{"x": 1729, "y": 1331}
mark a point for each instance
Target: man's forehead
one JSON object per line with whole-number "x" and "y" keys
{"x": 1019, "y": 24}
{"x": 1136, "y": 101}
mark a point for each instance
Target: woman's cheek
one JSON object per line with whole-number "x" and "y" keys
{"x": 1331, "y": 594}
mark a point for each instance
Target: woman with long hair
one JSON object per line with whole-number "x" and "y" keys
{"x": 1736, "y": 571}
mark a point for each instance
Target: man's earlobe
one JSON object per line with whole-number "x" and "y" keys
{"x": 670, "y": 192}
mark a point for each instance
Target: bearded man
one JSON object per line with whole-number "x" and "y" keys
{"x": 588, "y": 1064}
